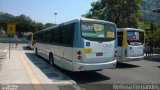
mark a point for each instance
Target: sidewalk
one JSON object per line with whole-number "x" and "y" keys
{"x": 17, "y": 70}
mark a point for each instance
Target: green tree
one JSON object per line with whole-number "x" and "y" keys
{"x": 96, "y": 12}
{"x": 23, "y": 23}
{"x": 49, "y": 25}
{"x": 125, "y": 13}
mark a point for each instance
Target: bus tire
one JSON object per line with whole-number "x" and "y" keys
{"x": 51, "y": 60}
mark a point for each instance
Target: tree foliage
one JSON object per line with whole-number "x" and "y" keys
{"x": 23, "y": 23}
{"x": 125, "y": 13}
{"x": 49, "y": 24}
{"x": 128, "y": 13}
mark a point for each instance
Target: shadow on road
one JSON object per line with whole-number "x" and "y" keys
{"x": 26, "y": 48}
{"x": 84, "y": 77}
{"x": 47, "y": 69}
{"x": 125, "y": 65}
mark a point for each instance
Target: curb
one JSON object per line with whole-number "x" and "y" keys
{"x": 152, "y": 57}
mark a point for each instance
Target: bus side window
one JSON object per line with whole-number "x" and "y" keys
{"x": 43, "y": 37}
{"x": 67, "y": 35}
{"x": 49, "y": 37}
{"x": 38, "y": 39}
{"x": 56, "y": 37}
{"x": 119, "y": 38}
{"x": 53, "y": 36}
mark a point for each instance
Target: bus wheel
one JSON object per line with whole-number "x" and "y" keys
{"x": 51, "y": 60}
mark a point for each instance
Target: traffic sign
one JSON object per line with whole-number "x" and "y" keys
{"x": 11, "y": 28}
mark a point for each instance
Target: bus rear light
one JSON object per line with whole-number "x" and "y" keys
{"x": 78, "y": 57}
{"x": 78, "y": 52}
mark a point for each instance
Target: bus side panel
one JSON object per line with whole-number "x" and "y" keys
{"x": 42, "y": 50}
{"x": 124, "y": 46}
{"x": 124, "y": 54}
{"x": 63, "y": 57}
{"x": 121, "y": 41}
{"x": 119, "y": 53}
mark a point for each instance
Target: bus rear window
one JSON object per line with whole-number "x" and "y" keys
{"x": 135, "y": 36}
{"x": 97, "y": 30}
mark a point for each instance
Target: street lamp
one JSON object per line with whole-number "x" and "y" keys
{"x": 55, "y": 17}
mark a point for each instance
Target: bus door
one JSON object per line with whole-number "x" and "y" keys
{"x": 119, "y": 44}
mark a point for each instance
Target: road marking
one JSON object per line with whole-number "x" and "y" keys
{"x": 67, "y": 82}
{"x": 34, "y": 80}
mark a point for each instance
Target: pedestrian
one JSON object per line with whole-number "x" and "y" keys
{"x": 17, "y": 41}
{"x": 151, "y": 49}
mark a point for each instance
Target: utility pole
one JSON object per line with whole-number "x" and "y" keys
{"x": 55, "y": 17}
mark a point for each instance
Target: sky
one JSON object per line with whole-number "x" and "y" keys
{"x": 43, "y": 10}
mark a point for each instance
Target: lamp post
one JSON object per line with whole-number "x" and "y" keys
{"x": 55, "y": 17}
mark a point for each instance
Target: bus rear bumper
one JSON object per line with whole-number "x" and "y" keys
{"x": 94, "y": 66}
{"x": 129, "y": 59}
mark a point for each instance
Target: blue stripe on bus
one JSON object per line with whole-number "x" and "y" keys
{"x": 78, "y": 41}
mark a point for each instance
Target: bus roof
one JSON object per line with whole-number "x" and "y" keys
{"x": 73, "y": 21}
{"x": 129, "y": 29}
{"x": 87, "y": 19}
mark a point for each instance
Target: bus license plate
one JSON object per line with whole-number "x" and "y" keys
{"x": 99, "y": 54}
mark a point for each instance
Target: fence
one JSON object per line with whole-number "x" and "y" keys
{"x": 13, "y": 40}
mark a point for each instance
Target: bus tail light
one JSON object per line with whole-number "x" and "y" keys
{"x": 78, "y": 52}
{"x": 79, "y": 55}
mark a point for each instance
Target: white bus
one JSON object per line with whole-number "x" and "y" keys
{"x": 130, "y": 44}
{"x": 78, "y": 45}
